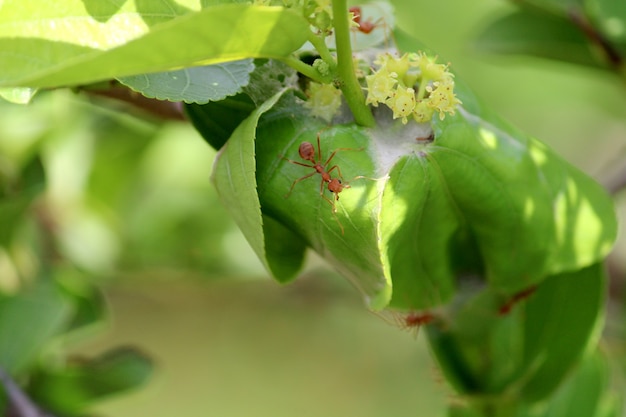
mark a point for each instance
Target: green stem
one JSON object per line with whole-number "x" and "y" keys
{"x": 348, "y": 82}
{"x": 305, "y": 69}
{"x": 421, "y": 91}
{"x": 322, "y": 49}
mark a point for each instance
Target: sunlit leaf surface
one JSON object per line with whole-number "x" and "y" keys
{"x": 42, "y": 49}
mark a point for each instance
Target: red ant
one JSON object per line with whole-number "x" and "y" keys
{"x": 517, "y": 297}
{"x": 366, "y": 26}
{"x": 416, "y": 320}
{"x": 411, "y": 321}
{"x": 335, "y": 185}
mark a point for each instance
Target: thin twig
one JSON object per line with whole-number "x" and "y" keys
{"x": 20, "y": 405}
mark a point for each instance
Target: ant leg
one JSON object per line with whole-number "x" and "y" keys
{"x": 322, "y": 183}
{"x": 297, "y": 181}
{"x": 363, "y": 177}
{"x": 332, "y": 155}
{"x": 298, "y": 163}
{"x": 331, "y": 202}
{"x": 334, "y": 210}
{"x": 319, "y": 147}
{"x": 336, "y": 167}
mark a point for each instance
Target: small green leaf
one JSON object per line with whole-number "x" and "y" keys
{"x": 528, "y": 32}
{"x": 88, "y": 301}
{"x": 69, "y": 390}
{"x": 194, "y": 85}
{"x": 236, "y": 32}
{"x": 28, "y": 320}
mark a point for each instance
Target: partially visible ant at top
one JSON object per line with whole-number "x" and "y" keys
{"x": 411, "y": 321}
{"x": 365, "y": 26}
{"x": 415, "y": 320}
{"x": 517, "y": 297}
{"x": 306, "y": 150}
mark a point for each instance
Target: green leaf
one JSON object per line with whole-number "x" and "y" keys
{"x": 528, "y": 32}
{"x": 347, "y": 238}
{"x": 483, "y": 199}
{"x": 18, "y": 95}
{"x": 88, "y": 301}
{"x": 69, "y": 390}
{"x": 194, "y": 85}
{"x": 525, "y": 353}
{"x": 62, "y": 57}
{"x": 216, "y": 121}
{"x": 584, "y": 391}
{"x": 234, "y": 178}
{"x": 563, "y": 320}
{"x": 103, "y": 24}
{"x": 284, "y": 250}
{"x": 28, "y": 320}
{"x": 486, "y": 194}
{"x": 554, "y": 7}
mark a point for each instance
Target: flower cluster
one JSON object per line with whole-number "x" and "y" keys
{"x": 324, "y": 100}
{"x": 413, "y": 85}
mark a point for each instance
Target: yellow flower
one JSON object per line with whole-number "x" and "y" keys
{"x": 428, "y": 68}
{"x": 441, "y": 97}
{"x": 423, "y": 112}
{"x": 402, "y": 102}
{"x": 399, "y": 65}
{"x": 380, "y": 86}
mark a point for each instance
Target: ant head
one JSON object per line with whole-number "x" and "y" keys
{"x": 335, "y": 186}
{"x": 356, "y": 10}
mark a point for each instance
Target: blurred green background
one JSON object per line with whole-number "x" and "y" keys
{"x": 133, "y": 209}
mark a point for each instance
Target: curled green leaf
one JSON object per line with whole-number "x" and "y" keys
{"x": 194, "y": 85}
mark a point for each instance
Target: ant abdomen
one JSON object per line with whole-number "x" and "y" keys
{"x": 307, "y": 151}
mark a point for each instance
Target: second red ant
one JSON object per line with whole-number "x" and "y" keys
{"x": 365, "y": 26}
{"x": 306, "y": 150}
